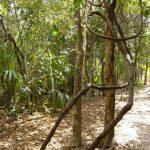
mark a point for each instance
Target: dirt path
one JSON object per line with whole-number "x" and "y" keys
{"x": 134, "y": 130}
{"x": 28, "y": 132}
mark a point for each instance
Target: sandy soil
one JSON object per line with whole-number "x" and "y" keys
{"x": 133, "y": 132}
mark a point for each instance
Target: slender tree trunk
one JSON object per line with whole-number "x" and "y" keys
{"x": 117, "y": 74}
{"x": 84, "y": 82}
{"x": 52, "y": 79}
{"x": 110, "y": 95}
{"x": 92, "y": 57}
{"x": 110, "y": 80}
{"x": 102, "y": 74}
{"x": 146, "y": 69}
{"x": 135, "y": 60}
{"x": 77, "y": 124}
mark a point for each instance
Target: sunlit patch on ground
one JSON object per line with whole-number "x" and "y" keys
{"x": 135, "y": 126}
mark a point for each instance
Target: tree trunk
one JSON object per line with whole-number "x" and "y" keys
{"x": 110, "y": 95}
{"x": 146, "y": 69}
{"x": 92, "y": 58}
{"x": 77, "y": 124}
{"x": 135, "y": 59}
{"x": 102, "y": 74}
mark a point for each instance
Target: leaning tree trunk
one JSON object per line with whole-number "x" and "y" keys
{"x": 77, "y": 124}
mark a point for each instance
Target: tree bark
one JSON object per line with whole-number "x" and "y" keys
{"x": 102, "y": 73}
{"x": 77, "y": 123}
{"x": 110, "y": 95}
{"x": 146, "y": 69}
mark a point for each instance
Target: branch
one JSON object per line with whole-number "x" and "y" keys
{"x": 98, "y": 14}
{"x": 73, "y": 101}
{"x": 114, "y": 19}
{"x": 125, "y": 38}
{"x": 124, "y": 110}
{"x": 11, "y": 39}
{"x": 97, "y": 5}
{"x": 123, "y": 48}
{"x": 102, "y": 88}
{"x": 129, "y": 104}
{"x": 91, "y": 5}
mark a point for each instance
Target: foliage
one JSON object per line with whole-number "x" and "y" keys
{"x": 44, "y": 33}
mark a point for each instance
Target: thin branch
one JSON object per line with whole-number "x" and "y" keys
{"x": 125, "y": 38}
{"x": 98, "y": 14}
{"x": 124, "y": 110}
{"x": 91, "y": 5}
{"x": 73, "y": 101}
{"x": 127, "y": 107}
{"x": 96, "y": 5}
{"x": 17, "y": 23}
{"x": 123, "y": 48}
{"x": 10, "y": 38}
{"x": 16, "y": 48}
{"x": 114, "y": 19}
{"x": 129, "y": 104}
{"x": 102, "y": 88}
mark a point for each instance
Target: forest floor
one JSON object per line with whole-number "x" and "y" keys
{"x": 27, "y": 132}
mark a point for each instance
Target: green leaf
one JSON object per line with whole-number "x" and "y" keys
{"x": 60, "y": 100}
{"x": 5, "y": 76}
{"x": 10, "y": 76}
{"x": 55, "y": 30}
{"x": 2, "y": 10}
{"x": 146, "y": 12}
{"x": 68, "y": 98}
{"x": 77, "y": 3}
{"x": 14, "y": 75}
